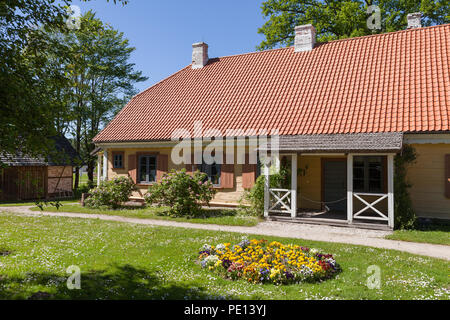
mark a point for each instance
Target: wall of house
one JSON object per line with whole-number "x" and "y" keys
{"x": 223, "y": 196}
{"x": 427, "y": 177}
{"x": 309, "y": 185}
{"x": 60, "y": 179}
{"x": 22, "y": 183}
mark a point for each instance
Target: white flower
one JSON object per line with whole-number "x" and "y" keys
{"x": 206, "y": 247}
{"x": 211, "y": 260}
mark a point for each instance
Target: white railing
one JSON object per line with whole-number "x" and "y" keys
{"x": 371, "y": 205}
{"x": 282, "y": 198}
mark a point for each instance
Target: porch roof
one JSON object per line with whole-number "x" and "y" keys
{"x": 341, "y": 143}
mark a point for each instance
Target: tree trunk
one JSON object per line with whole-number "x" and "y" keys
{"x": 78, "y": 149}
{"x": 90, "y": 171}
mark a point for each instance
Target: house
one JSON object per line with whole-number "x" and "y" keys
{"x": 30, "y": 178}
{"x": 337, "y": 112}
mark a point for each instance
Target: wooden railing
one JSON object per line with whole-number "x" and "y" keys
{"x": 280, "y": 201}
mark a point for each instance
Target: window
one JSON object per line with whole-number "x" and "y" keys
{"x": 118, "y": 160}
{"x": 368, "y": 174}
{"x": 147, "y": 169}
{"x": 213, "y": 172}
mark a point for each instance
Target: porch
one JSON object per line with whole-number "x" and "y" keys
{"x": 339, "y": 180}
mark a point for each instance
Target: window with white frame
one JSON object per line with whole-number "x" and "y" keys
{"x": 117, "y": 160}
{"x": 368, "y": 174}
{"x": 147, "y": 169}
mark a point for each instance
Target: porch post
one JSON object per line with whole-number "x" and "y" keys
{"x": 99, "y": 169}
{"x": 390, "y": 170}
{"x": 266, "y": 190}
{"x": 350, "y": 188}
{"x": 105, "y": 164}
{"x": 294, "y": 186}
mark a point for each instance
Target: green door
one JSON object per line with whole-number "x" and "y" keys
{"x": 335, "y": 185}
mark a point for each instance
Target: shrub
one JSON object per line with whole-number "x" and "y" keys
{"x": 85, "y": 188}
{"x": 182, "y": 192}
{"x": 111, "y": 193}
{"x": 255, "y": 196}
{"x": 257, "y": 261}
{"x": 404, "y": 214}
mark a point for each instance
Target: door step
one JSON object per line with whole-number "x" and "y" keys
{"x": 331, "y": 222}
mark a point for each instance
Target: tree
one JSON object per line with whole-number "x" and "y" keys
{"x": 102, "y": 80}
{"x": 30, "y": 78}
{"x": 336, "y": 19}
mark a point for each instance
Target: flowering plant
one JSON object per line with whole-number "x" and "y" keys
{"x": 182, "y": 192}
{"x": 258, "y": 261}
{"x": 111, "y": 193}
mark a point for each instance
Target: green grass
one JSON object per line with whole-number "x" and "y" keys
{"x": 436, "y": 234}
{"x": 84, "y": 179}
{"x": 128, "y": 261}
{"x": 222, "y": 217}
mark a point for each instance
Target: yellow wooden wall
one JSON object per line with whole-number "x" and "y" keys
{"x": 223, "y": 196}
{"x": 427, "y": 177}
{"x": 309, "y": 186}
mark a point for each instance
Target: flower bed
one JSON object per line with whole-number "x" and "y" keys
{"x": 258, "y": 261}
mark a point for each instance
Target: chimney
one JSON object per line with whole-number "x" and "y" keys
{"x": 305, "y": 38}
{"x": 199, "y": 55}
{"x": 414, "y": 20}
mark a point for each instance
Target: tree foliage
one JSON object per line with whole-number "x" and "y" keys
{"x": 102, "y": 80}
{"x": 336, "y": 19}
{"x": 30, "y": 74}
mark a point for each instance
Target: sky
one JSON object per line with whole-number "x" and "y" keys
{"x": 163, "y": 31}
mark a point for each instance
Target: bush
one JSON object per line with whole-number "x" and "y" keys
{"x": 182, "y": 192}
{"x": 255, "y": 196}
{"x": 111, "y": 193}
{"x": 404, "y": 214}
{"x": 85, "y": 188}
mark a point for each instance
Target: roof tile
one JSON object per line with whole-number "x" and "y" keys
{"x": 392, "y": 82}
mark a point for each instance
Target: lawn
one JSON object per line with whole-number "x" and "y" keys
{"x": 223, "y": 216}
{"x": 128, "y": 261}
{"x": 437, "y": 234}
{"x": 84, "y": 179}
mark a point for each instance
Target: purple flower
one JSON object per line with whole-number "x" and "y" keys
{"x": 289, "y": 275}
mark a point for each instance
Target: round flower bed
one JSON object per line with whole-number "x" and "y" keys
{"x": 258, "y": 261}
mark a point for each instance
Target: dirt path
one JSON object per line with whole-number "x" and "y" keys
{"x": 372, "y": 238}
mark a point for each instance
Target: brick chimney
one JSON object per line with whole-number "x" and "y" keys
{"x": 414, "y": 20}
{"x": 305, "y": 38}
{"x": 199, "y": 55}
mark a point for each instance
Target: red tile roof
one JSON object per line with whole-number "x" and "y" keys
{"x": 392, "y": 82}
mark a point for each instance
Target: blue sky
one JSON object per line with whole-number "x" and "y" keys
{"x": 163, "y": 31}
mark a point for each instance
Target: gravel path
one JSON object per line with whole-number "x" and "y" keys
{"x": 372, "y": 238}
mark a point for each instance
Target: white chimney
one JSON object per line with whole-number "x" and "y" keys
{"x": 414, "y": 20}
{"x": 199, "y": 55}
{"x": 305, "y": 38}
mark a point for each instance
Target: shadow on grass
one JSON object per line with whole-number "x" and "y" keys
{"x": 432, "y": 225}
{"x": 205, "y": 213}
{"x": 119, "y": 282}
